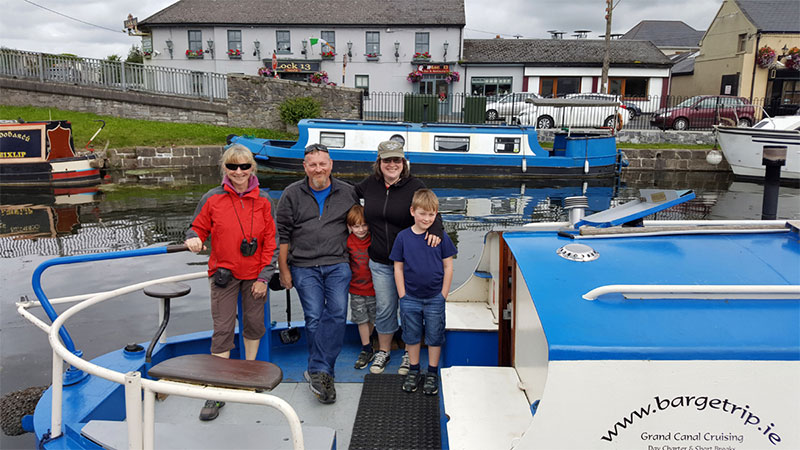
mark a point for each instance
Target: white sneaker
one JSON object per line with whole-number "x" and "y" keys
{"x": 379, "y": 362}
{"x": 405, "y": 364}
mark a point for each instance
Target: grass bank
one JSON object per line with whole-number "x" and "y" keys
{"x": 121, "y": 133}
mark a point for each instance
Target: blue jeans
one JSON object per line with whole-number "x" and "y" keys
{"x": 385, "y": 297}
{"x": 323, "y": 294}
{"x": 423, "y": 314}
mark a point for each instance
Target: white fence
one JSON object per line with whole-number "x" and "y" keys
{"x": 119, "y": 75}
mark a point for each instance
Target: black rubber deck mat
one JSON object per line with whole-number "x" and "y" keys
{"x": 389, "y": 418}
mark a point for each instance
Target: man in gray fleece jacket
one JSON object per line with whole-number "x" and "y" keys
{"x": 313, "y": 258}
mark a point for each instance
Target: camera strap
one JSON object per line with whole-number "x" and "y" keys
{"x": 252, "y": 214}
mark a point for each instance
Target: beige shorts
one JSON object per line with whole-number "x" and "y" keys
{"x": 223, "y": 313}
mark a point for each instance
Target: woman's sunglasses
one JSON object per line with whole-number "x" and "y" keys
{"x": 231, "y": 166}
{"x": 392, "y": 160}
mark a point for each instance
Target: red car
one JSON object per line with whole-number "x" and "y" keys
{"x": 704, "y": 111}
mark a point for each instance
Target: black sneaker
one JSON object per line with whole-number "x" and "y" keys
{"x": 412, "y": 381}
{"x": 364, "y": 359}
{"x": 328, "y": 394}
{"x": 210, "y": 410}
{"x": 380, "y": 361}
{"x": 431, "y": 386}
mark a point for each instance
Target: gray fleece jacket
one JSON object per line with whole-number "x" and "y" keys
{"x": 315, "y": 240}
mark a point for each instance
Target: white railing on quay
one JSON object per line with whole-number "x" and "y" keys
{"x": 118, "y": 75}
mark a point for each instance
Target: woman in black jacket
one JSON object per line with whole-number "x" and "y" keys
{"x": 387, "y": 197}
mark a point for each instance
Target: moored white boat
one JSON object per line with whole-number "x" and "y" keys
{"x": 743, "y": 146}
{"x": 662, "y": 334}
{"x": 445, "y": 150}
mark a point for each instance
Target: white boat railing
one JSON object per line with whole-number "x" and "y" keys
{"x": 141, "y": 427}
{"x": 698, "y": 292}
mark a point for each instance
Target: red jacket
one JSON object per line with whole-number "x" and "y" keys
{"x": 223, "y": 214}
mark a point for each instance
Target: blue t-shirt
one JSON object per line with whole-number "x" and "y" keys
{"x": 422, "y": 265}
{"x": 321, "y": 196}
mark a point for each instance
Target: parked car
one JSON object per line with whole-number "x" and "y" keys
{"x": 508, "y": 106}
{"x": 573, "y": 112}
{"x": 704, "y": 111}
{"x": 632, "y": 109}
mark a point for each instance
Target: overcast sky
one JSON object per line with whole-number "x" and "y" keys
{"x": 97, "y": 32}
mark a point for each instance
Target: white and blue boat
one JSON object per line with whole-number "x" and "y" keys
{"x": 607, "y": 331}
{"x": 451, "y": 149}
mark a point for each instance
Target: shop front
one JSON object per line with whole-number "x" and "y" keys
{"x": 296, "y": 70}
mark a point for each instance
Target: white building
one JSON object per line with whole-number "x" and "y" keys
{"x": 370, "y": 44}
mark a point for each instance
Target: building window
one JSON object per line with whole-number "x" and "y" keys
{"x": 362, "y": 82}
{"x": 283, "y": 39}
{"x": 559, "y": 86}
{"x": 422, "y": 42}
{"x": 373, "y": 42}
{"x": 491, "y": 86}
{"x": 195, "y": 40}
{"x": 742, "y": 45}
{"x": 628, "y": 87}
{"x": 451, "y": 143}
{"x": 330, "y": 38}
{"x": 234, "y": 42}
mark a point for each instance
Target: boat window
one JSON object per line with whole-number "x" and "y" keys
{"x": 506, "y": 145}
{"x": 331, "y": 140}
{"x": 399, "y": 139}
{"x": 451, "y": 143}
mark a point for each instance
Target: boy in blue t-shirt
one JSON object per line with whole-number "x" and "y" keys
{"x": 423, "y": 275}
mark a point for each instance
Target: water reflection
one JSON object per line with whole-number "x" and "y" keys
{"x": 137, "y": 209}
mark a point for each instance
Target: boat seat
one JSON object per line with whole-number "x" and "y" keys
{"x": 165, "y": 292}
{"x": 210, "y": 370}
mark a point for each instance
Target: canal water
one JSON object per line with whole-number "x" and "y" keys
{"x": 153, "y": 209}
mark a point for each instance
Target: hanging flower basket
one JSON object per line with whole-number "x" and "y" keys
{"x": 147, "y": 55}
{"x": 452, "y": 76}
{"x": 792, "y": 59}
{"x": 765, "y": 57}
{"x": 234, "y": 53}
{"x": 415, "y": 76}
{"x": 328, "y": 55}
{"x": 372, "y": 56}
{"x": 319, "y": 77}
{"x": 265, "y": 72}
{"x": 194, "y": 54}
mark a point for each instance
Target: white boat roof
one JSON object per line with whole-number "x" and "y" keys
{"x": 779, "y": 123}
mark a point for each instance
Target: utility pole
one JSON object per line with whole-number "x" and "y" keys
{"x": 607, "y": 54}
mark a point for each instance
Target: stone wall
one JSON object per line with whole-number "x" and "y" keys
{"x": 131, "y": 105}
{"x": 253, "y": 101}
{"x": 162, "y": 157}
{"x": 651, "y": 137}
{"x": 672, "y": 160}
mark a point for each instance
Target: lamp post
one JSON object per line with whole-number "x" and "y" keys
{"x": 169, "y": 47}
{"x": 257, "y": 51}
{"x": 349, "y": 49}
{"x": 396, "y": 51}
{"x": 210, "y": 48}
{"x": 445, "y": 45}
{"x": 607, "y": 53}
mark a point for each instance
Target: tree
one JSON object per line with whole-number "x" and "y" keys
{"x": 135, "y": 55}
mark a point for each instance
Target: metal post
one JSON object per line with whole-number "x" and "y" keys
{"x": 210, "y": 90}
{"x": 41, "y": 68}
{"x": 122, "y": 76}
{"x": 773, "y": 158}
{"x": 57, "y": 394}
{"x": 149, "y": 429}
{"x": 133, "y": 409}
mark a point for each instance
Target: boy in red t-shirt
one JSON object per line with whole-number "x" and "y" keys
{"x": 362, "y": 294}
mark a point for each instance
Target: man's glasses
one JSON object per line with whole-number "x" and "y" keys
{"x": 232, "y": 166}
{"x": 316, "y": 148}
{"x": 392, "y": 160}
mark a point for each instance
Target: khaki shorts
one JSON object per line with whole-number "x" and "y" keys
{"x": 223, "y": 313}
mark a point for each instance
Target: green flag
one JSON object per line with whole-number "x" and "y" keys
{"x": 315, "y": 41}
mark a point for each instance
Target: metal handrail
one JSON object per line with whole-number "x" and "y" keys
{"x": 690, "y": 291}
{"x": 117, "y": 75}
{"x": 142, "y": 433}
